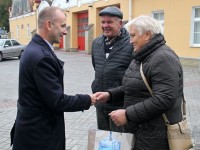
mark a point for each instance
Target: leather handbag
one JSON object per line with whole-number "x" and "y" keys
{"x": 178, "y": 134}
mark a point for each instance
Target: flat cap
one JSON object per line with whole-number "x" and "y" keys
{"x": 111, "y": 11}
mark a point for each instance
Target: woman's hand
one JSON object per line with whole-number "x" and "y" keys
{"x": 119, "y": 117}
{"x": 102, "y": 96}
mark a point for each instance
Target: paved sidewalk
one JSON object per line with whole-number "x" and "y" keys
{"x": 78, "y": 77}
{"x": 191, "y": 70}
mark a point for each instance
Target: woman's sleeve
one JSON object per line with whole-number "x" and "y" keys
{"x": 116, "y": 94}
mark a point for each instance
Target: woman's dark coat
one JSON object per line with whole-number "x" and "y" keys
{"x": 163, "y": 72}
{"x": 40, "y": 118}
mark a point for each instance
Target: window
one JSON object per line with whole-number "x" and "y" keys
{"x": 17, "y": 28}
{"x": 159, "y": 15}
{"x": 195, "y": 34}
{"x": 15, "y": 43}
{"x": 28, "y": 31}
{"x": 8, "y": 43}
{"x": 1, "y": 42}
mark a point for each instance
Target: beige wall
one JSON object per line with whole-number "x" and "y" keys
{"x": 177, "y": 22}
{"x": 22, "y": 22}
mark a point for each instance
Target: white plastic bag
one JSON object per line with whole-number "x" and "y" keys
{"x": 100, "y": 140}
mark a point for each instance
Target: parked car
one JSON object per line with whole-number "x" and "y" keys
{"x": 10, "y": 48}
{"x": 3, "y": 36}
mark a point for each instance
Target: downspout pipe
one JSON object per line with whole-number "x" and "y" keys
{"x": 130, "y": 10}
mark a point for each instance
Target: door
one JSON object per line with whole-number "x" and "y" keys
{"x": 61, "y": 42}
{"x": 82, "y": 24}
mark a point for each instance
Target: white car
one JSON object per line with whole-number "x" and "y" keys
{"x": 10, "y": 48}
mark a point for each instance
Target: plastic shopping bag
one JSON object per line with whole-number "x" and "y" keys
{"x": 109, "y": 143}
{"x": 107, "y": 140}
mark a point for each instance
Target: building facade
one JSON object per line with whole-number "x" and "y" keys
{"x": 180, "y": 20}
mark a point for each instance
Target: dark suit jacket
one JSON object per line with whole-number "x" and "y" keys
{"x": 40, "y": 118}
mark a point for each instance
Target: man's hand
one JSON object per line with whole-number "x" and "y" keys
{"x": 93, "y": 99}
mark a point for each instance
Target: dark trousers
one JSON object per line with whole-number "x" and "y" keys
{"x": 104, "y": 122}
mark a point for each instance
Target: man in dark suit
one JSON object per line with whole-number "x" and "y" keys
{"x": 41, "y": 105}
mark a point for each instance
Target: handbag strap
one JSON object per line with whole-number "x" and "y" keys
{"x": 151, "y": 92}
{"x": 110, "y": 126}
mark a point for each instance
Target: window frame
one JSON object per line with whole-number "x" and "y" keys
{"x": 193, "y": 20}
{"x": 17, "y": 31}
{"x": 28, "y": 31}
{"x": 162, "y": 22}
{"x": 9, "y": 43}
{"x": 15, "y": 43}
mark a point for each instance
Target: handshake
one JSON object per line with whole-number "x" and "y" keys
{"x": 99, "y": 97}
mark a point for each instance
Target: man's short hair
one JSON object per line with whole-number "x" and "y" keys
{"x": 48, "y": 13}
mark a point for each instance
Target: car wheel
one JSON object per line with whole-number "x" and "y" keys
{"x": 1, "y": 56}
{"x": 20, "y": 55}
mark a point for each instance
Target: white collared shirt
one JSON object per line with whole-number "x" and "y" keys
{"x": 51, "y": 46}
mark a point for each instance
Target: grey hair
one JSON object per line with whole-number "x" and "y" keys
{"x": 145, "y": 24}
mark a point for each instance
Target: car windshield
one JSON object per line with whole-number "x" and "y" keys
{"x": 1, "y": 42}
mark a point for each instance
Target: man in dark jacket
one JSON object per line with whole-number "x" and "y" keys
{"x": 41, "y": 105}
{"x": 111, "y": 56}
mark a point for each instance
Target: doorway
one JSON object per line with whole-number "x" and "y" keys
{"x": 82, "y": 24}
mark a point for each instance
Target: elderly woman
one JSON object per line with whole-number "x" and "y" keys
{"x": 142, "y": 113}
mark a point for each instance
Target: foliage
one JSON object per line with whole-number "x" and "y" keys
{"x": 4, "y": 13}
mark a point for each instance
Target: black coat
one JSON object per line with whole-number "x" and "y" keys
{"x": 163, "y": 72}
{"x": 110, "y": 71}
{"x": 40, "y": 118}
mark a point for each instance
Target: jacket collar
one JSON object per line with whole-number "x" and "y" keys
{"x": 157, "y": 41}
{"x": 120, "y": 39}
{"x": 123, "y": 33}
{"x": 38, "y": 39}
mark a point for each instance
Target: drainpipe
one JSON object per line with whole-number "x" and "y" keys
{"x": 130, "y": 10}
